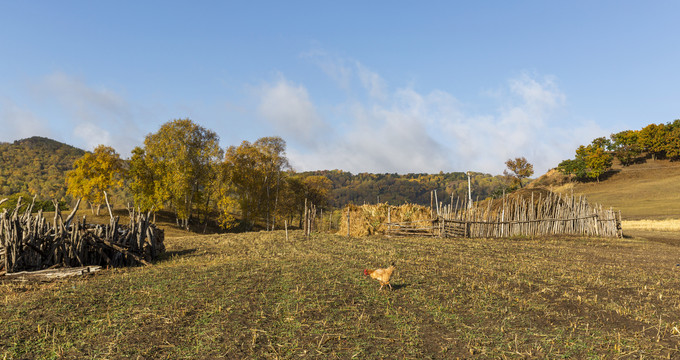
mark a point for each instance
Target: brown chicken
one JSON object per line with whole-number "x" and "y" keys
{"x": 382, "y": 275}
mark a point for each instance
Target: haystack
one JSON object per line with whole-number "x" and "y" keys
{"x": 371, "y": 219}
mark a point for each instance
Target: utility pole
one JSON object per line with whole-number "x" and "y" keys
{"x": 469, "y": 192}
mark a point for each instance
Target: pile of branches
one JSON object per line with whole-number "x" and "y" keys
{"x": 29, "y": 242}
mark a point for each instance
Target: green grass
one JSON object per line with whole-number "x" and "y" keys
{"x": 257, "y": 295}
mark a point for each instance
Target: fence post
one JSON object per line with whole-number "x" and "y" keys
{"x": 389, "y": 219}
{"x": 348, "y": 221}
{"x": 304, "y": 224}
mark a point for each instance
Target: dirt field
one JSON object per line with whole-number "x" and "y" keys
{"x": 257, "y": 295}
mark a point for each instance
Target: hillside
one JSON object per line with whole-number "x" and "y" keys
{"x": 36, "y": 165}
{"x": 641, "y": 191}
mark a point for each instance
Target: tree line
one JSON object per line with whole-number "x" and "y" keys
{"x": 182, "y": 168}
{"x": 655, "y": 141}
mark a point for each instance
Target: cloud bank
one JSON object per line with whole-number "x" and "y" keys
{"x": 405, "y": 130}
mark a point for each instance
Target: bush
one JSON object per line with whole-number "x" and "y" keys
{"x": 26, "y": 199}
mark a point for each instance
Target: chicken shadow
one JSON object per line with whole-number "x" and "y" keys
{"x": 396, "y": 287}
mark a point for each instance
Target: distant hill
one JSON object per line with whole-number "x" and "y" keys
{"x": 36, "y": 165}
{"x": 396, "y": 189}
{"x": 649, "y": 190}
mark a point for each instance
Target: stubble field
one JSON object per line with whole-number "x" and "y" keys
{"x": 258, "y": 295}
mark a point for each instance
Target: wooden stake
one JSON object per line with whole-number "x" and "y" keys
{"x": 347, "y": 221}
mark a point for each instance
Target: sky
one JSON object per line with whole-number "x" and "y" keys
{"x": 362, "y": 86}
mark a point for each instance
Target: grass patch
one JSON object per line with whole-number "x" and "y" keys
{"x": 257, "y": 295}
{"x": 652, "y": 225}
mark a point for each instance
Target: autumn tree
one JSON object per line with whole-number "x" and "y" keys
{"x": 672, "y": 141}
{"x": 591, "y": 161}
{"x": 142, "y": 181}
{"x": 95, "y": 173}
{"x": 256, "y": 171}
{"x": 519, "y": 168}
{"x": 652, "y": 139}
{"x": 177, "y": 167}
{"x": 625, "y": 146}
{"x": 597, "y": 161}
{"x": 299, "y": 189}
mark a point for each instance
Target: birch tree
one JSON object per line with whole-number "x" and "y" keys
{"x": 256, "y": 171}
{"x": 94, "y": 173}
{"x": 176, "y": 167}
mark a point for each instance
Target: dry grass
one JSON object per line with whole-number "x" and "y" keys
{"x": 257, "y": 295}
{"x": 652, "y": 225}
{"x": 371, "y": 219}
{"x": 642, "y": 191}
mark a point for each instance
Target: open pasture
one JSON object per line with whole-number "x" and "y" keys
{"x": 257, "y": 295}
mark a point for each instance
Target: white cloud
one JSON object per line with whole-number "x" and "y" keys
{"x": 403, "y": 130}
{"x": 92, "y": 135}
{"x": 87, "y": 101}
{"x": 18, "y": 123}
{"x": 372, "y": 82}
{"x": 93, "y": 115}
{"x": 288, "y": 108}
{"x": 346, "y": 73}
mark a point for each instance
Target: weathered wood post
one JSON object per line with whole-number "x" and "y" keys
{"x": 347, "y": 221}
{"x": 285, "y": 225}
{"x": 389, "y": 219}
{"x": 304, "y": 224}
{"x": 469, "y": 191}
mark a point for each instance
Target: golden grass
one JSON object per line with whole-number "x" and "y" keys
{"x": 652, "y": 225}
{"x": 642, "y": 191}
{"x": 370, "y": 219}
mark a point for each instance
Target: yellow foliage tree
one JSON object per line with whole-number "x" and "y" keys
{"x": 177, "y": 166}
{"x": 257, "y": 171}
{"x": 95, "y": 173}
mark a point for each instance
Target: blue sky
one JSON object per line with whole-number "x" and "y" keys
{"x": 363, "y": 86}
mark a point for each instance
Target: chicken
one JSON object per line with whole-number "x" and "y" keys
{"x": 382, "y": 275}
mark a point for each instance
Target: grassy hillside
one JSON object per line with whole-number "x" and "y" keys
{"x": 257, "y": 295}
{"x": 643, "y": 191}
{"x": 36, "y": 165}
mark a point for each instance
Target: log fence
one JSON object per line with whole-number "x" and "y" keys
{"x": 553, "y": 214}
{"x": 29, "y": 242}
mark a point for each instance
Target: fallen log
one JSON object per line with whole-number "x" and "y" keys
{"x": 123, "y": 251}
{"x": 49, "y": 274}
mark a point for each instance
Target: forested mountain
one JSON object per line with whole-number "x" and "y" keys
{"x": 408, "y": 188}
{"x": 36, "y": 165}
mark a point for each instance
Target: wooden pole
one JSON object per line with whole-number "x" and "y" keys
{"x": 304, "y": 226}
{"x": 348, "y": 221}
{"x": 389, "y": 219}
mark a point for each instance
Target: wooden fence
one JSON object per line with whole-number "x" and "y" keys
{"x": 546, "y": 213}
{"x": 29, "y": 242}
